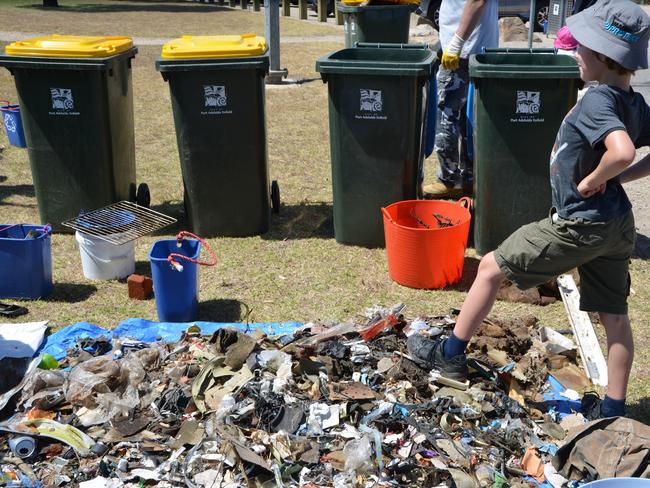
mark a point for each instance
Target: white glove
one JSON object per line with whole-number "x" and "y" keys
{"x": 451, "y": 55}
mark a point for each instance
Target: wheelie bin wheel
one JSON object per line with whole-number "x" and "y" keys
{"x": 275, "y": 196}
{"x": 132, "y": 193}
{"x": 143, "y": 196}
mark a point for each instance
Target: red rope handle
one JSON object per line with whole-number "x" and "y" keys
{"x": 179, "y": 238}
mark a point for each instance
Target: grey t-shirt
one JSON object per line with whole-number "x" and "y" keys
{"x": 579, "y": 146}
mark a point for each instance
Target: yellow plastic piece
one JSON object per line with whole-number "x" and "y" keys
{"x": 354, "y": 3}
{"x": 59, "y": 46}
{"x": 393, "y": 2}
{"x": 194, "y": 47}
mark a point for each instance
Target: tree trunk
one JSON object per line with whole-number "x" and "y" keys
{"x": 50, "y": 3}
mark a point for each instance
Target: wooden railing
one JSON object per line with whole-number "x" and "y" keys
{"x": 321, "y": 8}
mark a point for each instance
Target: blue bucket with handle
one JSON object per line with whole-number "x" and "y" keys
{"x": 176, "y": 290}
{"x": 13, "y": 123}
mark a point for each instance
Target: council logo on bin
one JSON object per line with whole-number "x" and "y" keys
{"x": 371, "y": 101}
{"x": 62, "y": 99}
{"x": 215, "y": 95}
{"x": 528, "y": 102}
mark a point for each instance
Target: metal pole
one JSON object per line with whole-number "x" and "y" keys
{"x": 272, "y": 34}
{"x": 531, "y": 23}
{"x": 302, "y": 9}
{"x": 338, "y": 14}
{"x": 322, "y": 10}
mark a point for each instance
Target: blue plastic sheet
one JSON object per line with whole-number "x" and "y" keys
{"x": 554, "y": 399}
{"x": 148, "y": 331}
{"x": 58, "y": 343}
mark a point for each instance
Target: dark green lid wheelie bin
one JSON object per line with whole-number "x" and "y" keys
{"x": 520, "y": 101}
{"x": 76, "y": 101}
{"x": 377, "y": 105}
{"x": 376, "y": 23}
{"x": 217, "y": 91}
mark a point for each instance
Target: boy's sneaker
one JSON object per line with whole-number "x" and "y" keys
{"x": 429, "y": 354}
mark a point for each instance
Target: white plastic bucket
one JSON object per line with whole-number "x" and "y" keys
{"x": 102, "y": 260}
{"x": 619, "y": 483}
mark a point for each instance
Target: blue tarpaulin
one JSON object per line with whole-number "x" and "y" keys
{"x": 562, "y": 404}
{"x": 58, "y": 343}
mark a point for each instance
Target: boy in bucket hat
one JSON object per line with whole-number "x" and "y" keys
{"x": 591, "y": 225}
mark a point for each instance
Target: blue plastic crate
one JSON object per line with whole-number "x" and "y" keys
{"x": 13, "y": 123}
{"x": 25, "y": 261}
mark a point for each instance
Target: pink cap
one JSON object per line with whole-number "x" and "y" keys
{"x": 565, "y": 40}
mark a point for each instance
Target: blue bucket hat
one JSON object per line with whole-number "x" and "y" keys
{"x": 619, "y": 29}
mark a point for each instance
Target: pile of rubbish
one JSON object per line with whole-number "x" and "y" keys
{"x": 295, "y": 405}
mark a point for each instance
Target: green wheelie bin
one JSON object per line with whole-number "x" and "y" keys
{"x": 76, "y": 100}
{"x": 521, "y": 98}
{"x": 217, "y": 92}
{"x": 376, "y": 23}
{"x": 377, "y": 112}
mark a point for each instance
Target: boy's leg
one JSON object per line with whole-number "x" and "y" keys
{"x": 620, "y": 353}
{"x": 604, "y": 288}
{"x": 480, "y": 298}
{"x": 448, "y": 355}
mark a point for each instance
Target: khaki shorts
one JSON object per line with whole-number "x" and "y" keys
{"x": 601, "y": 251}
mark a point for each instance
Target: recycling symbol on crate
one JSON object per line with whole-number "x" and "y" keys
{"x": 10, "y": 123}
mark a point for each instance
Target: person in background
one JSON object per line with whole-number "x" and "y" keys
{"x": 565, "y": 43}
{"x": 466, "y": 26}
{"x": 591, "y": 225}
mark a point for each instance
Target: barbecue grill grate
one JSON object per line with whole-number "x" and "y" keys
{"x": 120, "y": 222}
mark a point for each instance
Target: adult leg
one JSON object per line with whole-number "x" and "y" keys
{"x": 452, "y": 101}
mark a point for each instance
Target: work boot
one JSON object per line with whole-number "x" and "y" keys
{"x": 429, "y": 354}
{"x": 441, "y": 190}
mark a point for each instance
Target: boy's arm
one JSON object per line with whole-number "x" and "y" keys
{"x": 472, "y": 12}
{"x": 618, "y": 156}
{"x": 637, "y": 171}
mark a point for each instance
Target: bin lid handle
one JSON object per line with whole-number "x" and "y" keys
{"x": 388, "y": 45}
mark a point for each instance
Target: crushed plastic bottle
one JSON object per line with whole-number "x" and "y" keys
{"x": 484, "y": 475}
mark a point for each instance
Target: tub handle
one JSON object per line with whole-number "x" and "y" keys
{"x": 465, "y": 202}
{"x": 387, "y": 215}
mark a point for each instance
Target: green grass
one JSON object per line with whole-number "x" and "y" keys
{"x": 294, "y": 272}
{"x": 158, "y": 19}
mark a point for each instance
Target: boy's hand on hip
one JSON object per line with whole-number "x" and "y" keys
{"x": 588, "y": 189}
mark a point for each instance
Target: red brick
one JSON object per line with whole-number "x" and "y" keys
{"x": 140, "y": 287}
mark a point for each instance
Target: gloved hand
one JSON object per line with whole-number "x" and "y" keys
{"x": 451, "y": 56}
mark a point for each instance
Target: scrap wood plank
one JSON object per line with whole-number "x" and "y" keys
{"x": 583, "y": 330}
